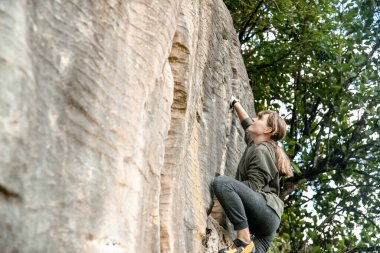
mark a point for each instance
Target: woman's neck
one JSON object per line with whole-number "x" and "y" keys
{"x": 260, "y": 139}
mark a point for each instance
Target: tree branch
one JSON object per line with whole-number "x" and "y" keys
{"x": 266, "y": 65}
{"x": 360, "y": 66}
{"x": 367, "y": 175}
{"x": 242, "y": 32}
{"x": 364, "y": 249}
{"x": 366, "y": 217}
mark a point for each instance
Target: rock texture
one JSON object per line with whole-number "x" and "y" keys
{"x": 113, "y": 123}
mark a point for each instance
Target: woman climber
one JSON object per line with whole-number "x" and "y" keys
{"x": 251, "y": 201}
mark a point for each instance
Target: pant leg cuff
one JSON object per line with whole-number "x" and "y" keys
{"x": 241, "y": 225}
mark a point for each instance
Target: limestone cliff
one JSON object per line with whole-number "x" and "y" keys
{"x": 113, "y": 123}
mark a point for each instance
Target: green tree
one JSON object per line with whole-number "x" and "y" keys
{"x": 318, "y": 60}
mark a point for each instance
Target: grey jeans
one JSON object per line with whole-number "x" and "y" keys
{"x": 245, "y": 207}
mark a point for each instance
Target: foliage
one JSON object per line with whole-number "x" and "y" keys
{"x": 319, "y": 62}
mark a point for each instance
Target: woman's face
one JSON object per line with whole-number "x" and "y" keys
{"x": 259, "y": 126}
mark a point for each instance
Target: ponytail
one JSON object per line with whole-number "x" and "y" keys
{"x": 282, "y": 161}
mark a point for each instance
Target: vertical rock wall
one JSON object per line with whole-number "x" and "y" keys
{"x": 113, "y": 122}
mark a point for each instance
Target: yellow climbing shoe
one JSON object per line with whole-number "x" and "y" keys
{"x": 239, "y": 247}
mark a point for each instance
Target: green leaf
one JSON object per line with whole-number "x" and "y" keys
{"x": 296, "y": 168}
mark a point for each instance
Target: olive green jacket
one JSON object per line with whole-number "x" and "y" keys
{"x": 257, "y": 169}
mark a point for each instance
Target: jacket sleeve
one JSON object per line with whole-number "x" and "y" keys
{"x": 245, "y": 123}
{"x": 258, "y": 171}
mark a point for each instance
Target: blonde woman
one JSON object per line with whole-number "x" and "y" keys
{"x": 251, "y": 200}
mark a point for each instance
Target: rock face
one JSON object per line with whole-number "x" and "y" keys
{"x": 113, "y": 123}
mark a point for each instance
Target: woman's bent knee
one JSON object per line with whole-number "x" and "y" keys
{"x": 219, "y": 182}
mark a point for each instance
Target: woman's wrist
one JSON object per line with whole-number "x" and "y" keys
{"x": 242, "y": 114}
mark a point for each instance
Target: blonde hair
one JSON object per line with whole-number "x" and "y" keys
{"x": 278, "y": 126}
